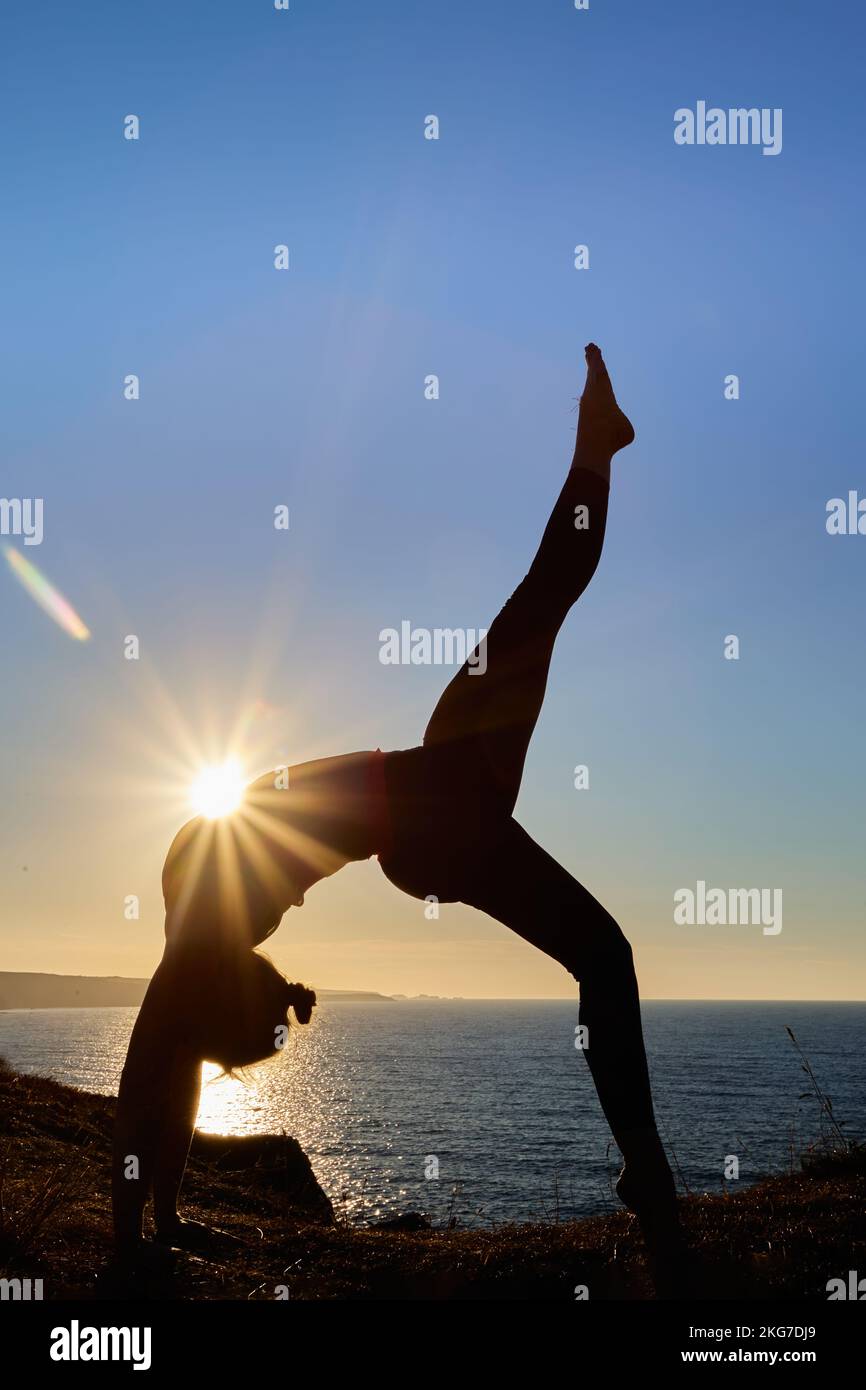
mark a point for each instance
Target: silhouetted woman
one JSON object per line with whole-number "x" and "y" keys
{"x": 439, "y": 818}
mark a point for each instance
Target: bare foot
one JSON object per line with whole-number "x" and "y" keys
{"x": 650, "y": 1193}
{"x": 602, "y": 428}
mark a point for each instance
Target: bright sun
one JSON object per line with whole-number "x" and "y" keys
{"x": 217, "y": 790}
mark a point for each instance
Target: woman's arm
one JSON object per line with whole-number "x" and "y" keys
{"x": 175, "y": 1138}
{"x": 146, "y": 1099}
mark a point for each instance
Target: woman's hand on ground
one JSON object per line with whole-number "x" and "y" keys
{"x": 136, "y": 1270}
{"x": 194, "y": 1236}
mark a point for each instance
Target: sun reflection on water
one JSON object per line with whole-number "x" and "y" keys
{"x": 229, "y": 1104}
{"x": 316, "y": 1090}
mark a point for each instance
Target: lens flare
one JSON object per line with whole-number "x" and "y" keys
{"x": 217, "y": 790}
{"x": 45, "y": 594}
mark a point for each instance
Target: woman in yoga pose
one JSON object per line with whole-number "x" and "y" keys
{"x": 439, "y": 818}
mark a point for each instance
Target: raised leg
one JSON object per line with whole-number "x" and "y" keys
{"x": 486, "y": 715}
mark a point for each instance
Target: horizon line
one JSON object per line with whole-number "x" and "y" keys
{"x": 456, "y": 998}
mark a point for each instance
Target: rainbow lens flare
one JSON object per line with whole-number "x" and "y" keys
{"x": 45, "y": 594}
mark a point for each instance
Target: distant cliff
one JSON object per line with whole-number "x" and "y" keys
{"x": 33, "y": 991}
{"x": 26, "y": 991}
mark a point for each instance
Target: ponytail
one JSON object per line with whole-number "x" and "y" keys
{"x": 303, "y": 1001}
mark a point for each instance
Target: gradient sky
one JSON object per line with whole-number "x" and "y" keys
{"x": 453, "y": 257}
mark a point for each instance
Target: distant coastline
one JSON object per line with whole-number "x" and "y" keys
{"x": 30, "y": 990}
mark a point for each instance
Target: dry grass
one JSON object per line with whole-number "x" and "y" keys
{"x": 783, "y": 1238}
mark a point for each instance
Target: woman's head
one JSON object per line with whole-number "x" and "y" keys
{"x": 240, "y": 1014}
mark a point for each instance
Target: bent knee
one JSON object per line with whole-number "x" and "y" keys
{"x": 605, "y": 951}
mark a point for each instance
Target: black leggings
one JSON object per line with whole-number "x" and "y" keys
{"x": 454, "y": 837}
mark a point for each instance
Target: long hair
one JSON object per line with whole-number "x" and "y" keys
{"x": 237, "y": 1007}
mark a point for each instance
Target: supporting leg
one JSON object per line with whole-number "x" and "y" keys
{"x": 521, "y": 885}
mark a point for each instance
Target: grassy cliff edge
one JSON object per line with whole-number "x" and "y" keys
{"x": 782, "y": 1238}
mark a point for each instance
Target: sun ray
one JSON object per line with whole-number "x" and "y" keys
{"x": 295, "y": 841}
{"x": 197, "y": 838}
{"x": 235, "y": 904}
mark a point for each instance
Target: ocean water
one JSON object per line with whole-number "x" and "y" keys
{"x": 484, "y": 1110}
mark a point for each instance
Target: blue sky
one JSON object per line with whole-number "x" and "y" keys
{"x": 258, "y": 387}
